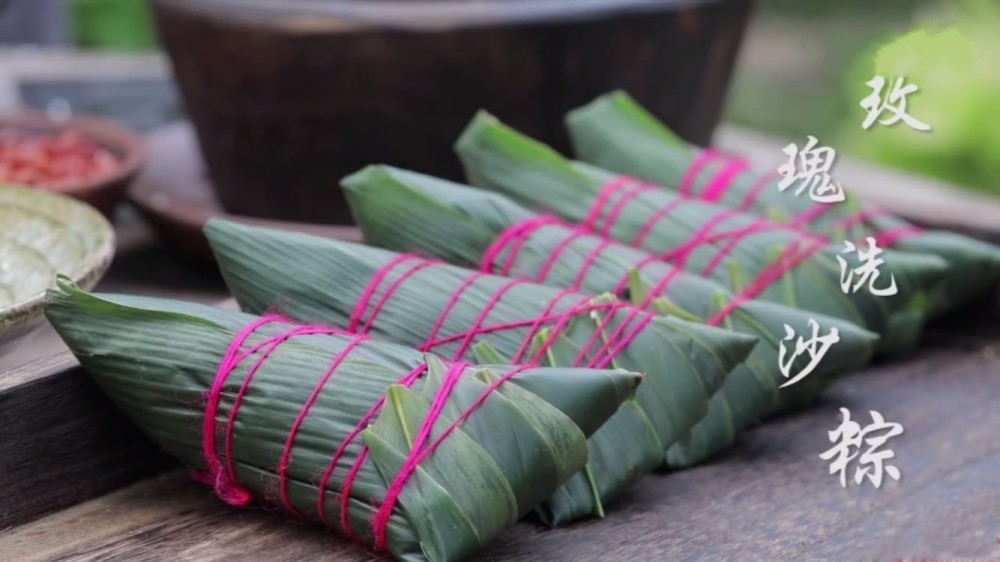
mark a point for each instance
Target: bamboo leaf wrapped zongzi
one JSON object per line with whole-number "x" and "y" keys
{"x": 445, "y": 309}
{"x": 380, "y": 442}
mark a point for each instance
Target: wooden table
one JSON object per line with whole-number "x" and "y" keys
{"x": 770, "y": 498}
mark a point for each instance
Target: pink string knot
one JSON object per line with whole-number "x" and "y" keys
{"x": 228, "y": 491}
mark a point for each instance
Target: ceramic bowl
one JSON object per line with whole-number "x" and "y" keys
{"x": 103, "y": 193}
{"x": 44, "y": 235}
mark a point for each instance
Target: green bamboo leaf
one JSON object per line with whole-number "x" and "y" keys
{"x": 639, "y": 293}
{"x": 444, "y": 514}
{"x": 609, "y": 451}
{"x": 485, "y": 354}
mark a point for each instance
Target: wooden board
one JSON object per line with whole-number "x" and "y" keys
{"x": 62, "y": 441}
{"x": 769, "y": 499}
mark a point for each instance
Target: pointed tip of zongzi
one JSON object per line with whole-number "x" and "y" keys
{"x": 488, "y": 137}
{"x": 597, "y": 105}
{"x": 593, "y": 391}
{"x": 408, "y": 211}
{"x": 974, "y": 266}
{"x": 734, "y": 347}
{"x": 616, "y": 117}
{"x": 923, "y": 271}
{"x": 501, "y": 159}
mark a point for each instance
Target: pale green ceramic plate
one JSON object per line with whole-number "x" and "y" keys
{"x": 41, "y": 235}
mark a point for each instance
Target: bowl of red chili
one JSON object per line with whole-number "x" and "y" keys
{"x": 89, "y": 158}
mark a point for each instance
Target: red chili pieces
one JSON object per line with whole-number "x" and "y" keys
{"x": 53, "y": 161}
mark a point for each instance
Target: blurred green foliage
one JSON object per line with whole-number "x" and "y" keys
{"x": 850, "y": 8}
{"x": 121, "y": 25}
{"x": 959, "y": 97}
{"x": 807, "y": 63}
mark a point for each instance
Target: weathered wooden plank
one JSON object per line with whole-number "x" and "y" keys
{"x": 768, "y": 499}
{"x": 62, "y": 441}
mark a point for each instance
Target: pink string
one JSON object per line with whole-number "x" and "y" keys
{"x": 369, "y": 291}
{"x": 891, "y": 236}
{"x": 698, "y": 238}
{"x": 704, "y": 235}
{"x": 381, "y": 520}
{"x": 391, "y": 289}
{"x": 268, "y": 346}
{"x": 755, "y": 227}
{"x": 720, "y": 182}
{"x": 634, "y": 190}
{"x": 466, "y": 338}
{"x": 805, "y": 217}
{"x": 418, "y": 452}
{"x": 762, "y": 181}
{"x": 456, "y": 295}
{"x": 484, "y": 313}
{"x": 700, "y": 161}
{"x": 654, "y": 219}
{"x": 679, "y": 254}
{"x": 617, "y": 340}
{"x": 544, "y": 316}
{"x": 519, "y": 241}
{"x": 226, "y": 488}
{"x": 601, "y": 200}
{"x": 588, "y": 261}
{"x": 345, "y": 490}
{"x": 224, "y": 480}
{"x": 286, "y": 452}
{"x": 859, "y": 217}
{"x": 608, "y": 191}
{"x": 884, "y": 238}
{"x": 515, "y": 231}
{"x": 553, "y": 256}
{"x": 621, "y": 341}
{"x": 769, "y": 275}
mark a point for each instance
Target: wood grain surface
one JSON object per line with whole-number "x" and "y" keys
{"x": 62, "y": 441}
{"x": 768, "y": 499}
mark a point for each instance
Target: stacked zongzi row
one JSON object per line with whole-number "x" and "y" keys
{"x": 468, "y": 226}
{"x": 406, "y": 211}
{"x": 616, "y": 133}
{"x": 753, "y": 257}
{"x": 463, "y": 314}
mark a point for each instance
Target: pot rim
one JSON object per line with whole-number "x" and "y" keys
{"x": 422, "y": 15}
